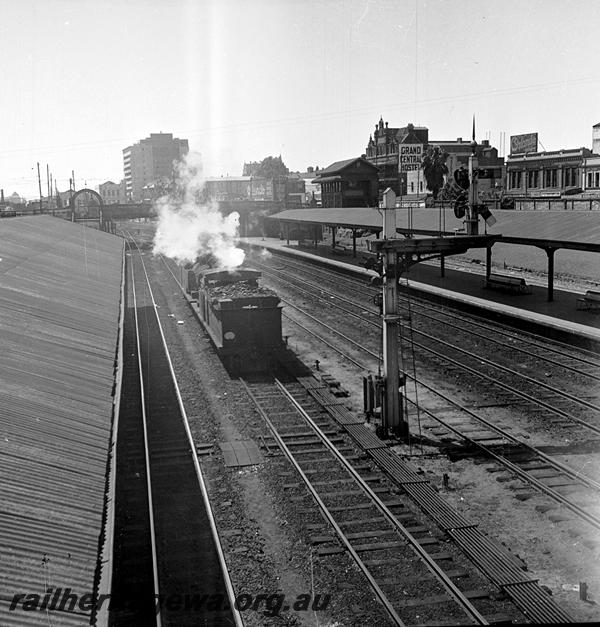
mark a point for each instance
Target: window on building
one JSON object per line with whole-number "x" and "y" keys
{"x": 532, "y": 178}
{"x": 571, "y": 177}
{"x": 596, "y": 179}
{"x": 515, "y": 180}
{"x": 551, "y": 178}
{"x": 412, "y": 187}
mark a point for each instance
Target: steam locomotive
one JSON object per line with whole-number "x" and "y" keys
{"x": 241, "y": 317}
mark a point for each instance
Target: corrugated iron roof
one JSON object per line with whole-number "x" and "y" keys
{"x": 59, "y": 309}
{"x": 567, "y": 226}
{"x": 339, "y": 166}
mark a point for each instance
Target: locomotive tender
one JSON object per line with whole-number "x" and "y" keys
{"x": 242, "y": 318}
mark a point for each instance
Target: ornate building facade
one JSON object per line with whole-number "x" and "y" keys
{"x": 397, "y": 153}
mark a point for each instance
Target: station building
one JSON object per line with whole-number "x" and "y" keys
{"x": 349, "y": 183}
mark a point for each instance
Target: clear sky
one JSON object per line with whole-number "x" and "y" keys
{"x": 307, "y": 79}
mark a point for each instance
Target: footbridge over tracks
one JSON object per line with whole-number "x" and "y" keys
{"x": 549, "y": 231}
{"x": 87, "y": 206}
{"x": 128, "y": 211}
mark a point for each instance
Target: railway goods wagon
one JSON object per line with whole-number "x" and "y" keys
{"x": 242, "y": 318}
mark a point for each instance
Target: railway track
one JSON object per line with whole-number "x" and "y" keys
{"x": 539, "y": 470}
{"x": 495, "y": 561}
{"x": 400, "y": 556}
{"x": 578, "y": 361}
{"x": 561, "y": 408}
{"x": 167, "y": 558}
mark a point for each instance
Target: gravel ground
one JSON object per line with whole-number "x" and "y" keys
{"x": 267, "y": 539}
{"x": 265, "y": 548}
{"x": 550, "y": 541}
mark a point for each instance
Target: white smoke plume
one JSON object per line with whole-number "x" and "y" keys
{"x": 188, "y": 227}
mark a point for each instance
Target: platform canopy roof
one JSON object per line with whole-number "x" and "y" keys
{"x": 560, "y": 229}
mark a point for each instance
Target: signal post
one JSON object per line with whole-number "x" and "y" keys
{"x": 399, "y": 254}
{"x": 471, "y": 219}
{"x": 392, "y": 414}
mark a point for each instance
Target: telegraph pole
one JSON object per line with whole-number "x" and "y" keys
{"x": 40, "y": 186}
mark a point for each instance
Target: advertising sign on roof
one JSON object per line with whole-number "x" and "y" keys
{"x": 410, "y": 157}
{"x": 523, "y": 143}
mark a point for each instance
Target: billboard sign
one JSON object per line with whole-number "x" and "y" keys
{"x": 411, "y": 156}
{"x": 523, "y": 143}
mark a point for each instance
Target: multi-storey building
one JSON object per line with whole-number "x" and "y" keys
{"x": 288, "y": 188}
{"x": 546, "y": 174}
{"x": 151, "y": 160}
{"x": 113, "y": 193}
{"x": 596, "y": 139}
{"x": 591, "y": 177}
{"x": 397, "y": 153}
{"x": 383, "y": 151}
{"x": 228, "y": 188}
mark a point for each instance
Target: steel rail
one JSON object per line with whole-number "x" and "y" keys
{"x": 146, "y": 449}
{"x": 570, "y": 472}
{"x": 474, "y": 371}
{"x": 510, "y": 465}
{"x": 433, "y": 567}
{"x": 526, "y": 599}
{"x": 325, "y": 511}
{"x": 499, "y": 328}
{"x": 215, "y": 535}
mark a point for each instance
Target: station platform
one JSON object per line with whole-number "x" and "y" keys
{"x": 560, "y": 318}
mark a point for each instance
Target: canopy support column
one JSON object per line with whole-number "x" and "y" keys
{"x": 550, "y": 252}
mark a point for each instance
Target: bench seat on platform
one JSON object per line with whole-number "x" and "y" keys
{"x": 590, "y": 301}
{"x": 507, "y": 283}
